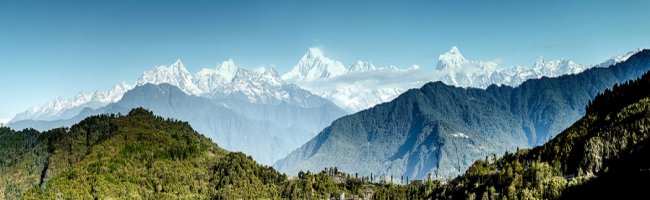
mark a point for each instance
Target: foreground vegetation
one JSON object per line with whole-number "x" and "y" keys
{"x": 141, "y": 156}
{"x": 603, "y": 155}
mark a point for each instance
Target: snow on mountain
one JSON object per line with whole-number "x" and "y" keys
{"x": 314, "y": 65}
{"x": 454, "y": 69}
{"x": 363, "y": 85}
{"x": 361, "y": 66}
{"x": 262, "y": 85}
{"x": 228, "y": 81}
{"x": 359, "y": 86}
{"x": 176, "y": 74}
{"x": 66, "y": 108}
{"x": 618, "y": 59}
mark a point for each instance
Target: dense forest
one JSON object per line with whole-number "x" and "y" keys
{"x": 140, "y": 155}
{"x": 603, "y": 155}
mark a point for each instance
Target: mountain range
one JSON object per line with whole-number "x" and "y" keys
{"x": 440, "y": 129}
{"x": 359, "y": 86}
{"x": 243, "y": 110}
{"x": 278, "y": 102}
{"x": 143, "y": 156}
{"x": 363, "y": 85}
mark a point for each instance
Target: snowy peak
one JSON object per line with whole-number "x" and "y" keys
{"x": 361, "y": 66}
{"x": 454, "y": 69}
{"x": 269, "y": 73}
{"x": 313, "y": 52}
{"x": 61, "y": 108}
{"x": 314, "y": 65}
{"x": 178, "y": 67}
{"x": 539, "y": 62}
{"x": 227, "y": 70}
{"x": 451, "y": 59}
{"x": 618, "y": 59}
{"x": 176, "y": 74}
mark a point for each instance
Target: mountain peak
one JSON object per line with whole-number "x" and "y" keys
{"x": 314, "y": 52}
{"x": 454, "y": 50}
{"x": 266, "y": 70}
{"x": 361, "y": 66}
{"x": 539, "y": 62}
{"x": 178, "y": 66}
{"x": 315, "y": 65}
{"x": 227, "y": 70}
{"x": 451, "y": 59}
{"x": 176, "y": 74}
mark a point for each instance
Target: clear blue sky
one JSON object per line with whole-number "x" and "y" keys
{"x": 59, "y": 48}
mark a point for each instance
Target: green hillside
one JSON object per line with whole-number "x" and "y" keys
{"x": 603, "y": 155}
{"x": 142, "y": 156}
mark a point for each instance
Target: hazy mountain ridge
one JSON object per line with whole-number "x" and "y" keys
{"x": 267, "y": 132}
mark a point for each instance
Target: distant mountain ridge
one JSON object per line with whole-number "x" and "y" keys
{"x": 358, "y": 86}
{"x": 363, "y": 85}
{"x": 267, "y": 132}
{"x": 442, "y": 129}
{"x": 263, "y": 86}
{"x": 454, "y": 69}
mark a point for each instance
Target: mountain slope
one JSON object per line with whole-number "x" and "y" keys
{"x": 442, "y": 129}
{"x": 267, "y": 132}
{"x": 133, "y": 156}
{"x": 142, "y": 156}
{"x": 604, "y": 155}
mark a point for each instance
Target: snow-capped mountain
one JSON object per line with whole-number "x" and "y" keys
{"x": 363, "y": 85}
{"x": 361, "y": 66}
{"x": 454, "y": 69}
{"x": 253, "y": 111}
{"x": 228, "y": 81}
{"x": 618, "y": 59}
{"x": 65, "y": 108}
{"x": 313, "y": 66}
{"x": 176, "y": 75}
{"x": 361, "y": 89}
{"x": 358, "y": 86}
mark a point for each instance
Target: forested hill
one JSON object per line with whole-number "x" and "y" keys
{"x": 142, "y": 156}
{"x": 605, "y": 155}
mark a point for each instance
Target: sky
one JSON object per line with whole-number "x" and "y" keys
{"x": 60, "y": 48}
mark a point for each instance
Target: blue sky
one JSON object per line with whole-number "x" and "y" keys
{"x": 59, "y": 48}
